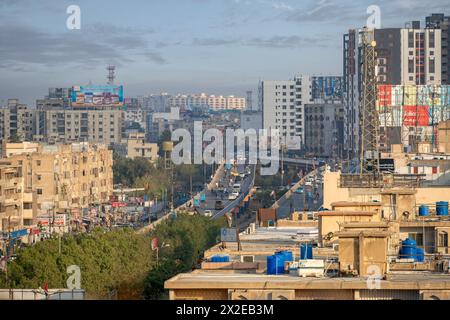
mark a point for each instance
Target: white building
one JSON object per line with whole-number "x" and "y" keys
{"x": 421, "y": 56}
{"x": 282, "y": 104}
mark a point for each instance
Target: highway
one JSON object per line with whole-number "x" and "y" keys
{"x": 293, "y": 201}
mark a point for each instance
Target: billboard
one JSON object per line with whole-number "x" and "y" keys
{"x": 415, "y": 116}
{"x": 92, "y": 96}
{"x": 57, "y": 220}
{"x": 228, "y": 235}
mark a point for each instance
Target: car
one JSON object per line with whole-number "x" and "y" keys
{"x": 233, "y": 196}
{"x": 219, "y": 205}
{"x": 208, "y": 213}
{"x": 299, "y": 190}
{"x": 308, "y": 183}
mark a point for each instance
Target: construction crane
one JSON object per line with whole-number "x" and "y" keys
{"x": 369, "y": 150}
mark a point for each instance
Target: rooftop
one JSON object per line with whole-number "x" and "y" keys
{"x": 239, "y": 280}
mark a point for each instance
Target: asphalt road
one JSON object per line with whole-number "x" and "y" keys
{"x": 297, "y": 201}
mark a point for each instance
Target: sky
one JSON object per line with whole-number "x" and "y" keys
{"x": 181, "y": 46}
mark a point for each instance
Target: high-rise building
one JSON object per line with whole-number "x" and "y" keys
{"x": 405, "y": 56}
{"x": 282, "y": 104}
{"x": 442, "y": 22}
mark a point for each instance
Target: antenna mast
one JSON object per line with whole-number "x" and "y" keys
{"x": 370, "y": 155}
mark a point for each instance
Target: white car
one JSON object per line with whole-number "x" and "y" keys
{"x": 233, "y": 196}
{"x": 208, "y": 213}
{"x": 308, "y": 183}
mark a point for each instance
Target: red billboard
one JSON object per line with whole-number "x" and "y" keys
{"x": 415, "y": 116}
{"x": 385, "y": 95}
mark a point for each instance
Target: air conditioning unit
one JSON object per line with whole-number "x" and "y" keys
{"x": 248, "y": 259}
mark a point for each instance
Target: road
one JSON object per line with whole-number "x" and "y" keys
{"x": 246, "y": 185}
{"x": 296, "y": 202}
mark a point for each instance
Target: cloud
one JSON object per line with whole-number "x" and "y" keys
{"x": 155, "y": 57}
{"x": 95, "y": 44}
{"x": 277, "y": 42}
{"x": 282, "y": 6}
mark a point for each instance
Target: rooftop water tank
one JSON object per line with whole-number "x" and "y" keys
{"x": 408, "y": 250}
{"x": 420, "y": 255}
{"x": 424, "y": 211}
{"x": 442, "y": 208}
{"x": 273, "y": 264}
{"x": 306, "y": 251}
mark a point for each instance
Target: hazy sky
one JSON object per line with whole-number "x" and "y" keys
{"x": 213, "y": 46}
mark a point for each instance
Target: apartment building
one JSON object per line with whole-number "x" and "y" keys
{"x": 324, "y": 129}
{"x": 133, "y": 115}
{"x": 137, "y": 147}
{"x": 405, "y": 56}
{"x": 16, "y": 121}
{"x": 11, "y": 197}
{"x": 64, "y": 177}
{"x": 205, "y": 101}
{"x": 282, "y": 104}
{"x": 442, "y": 22}
{"x": 71, "y": 125}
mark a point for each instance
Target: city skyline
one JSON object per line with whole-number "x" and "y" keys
{"x": 179, "y": 46}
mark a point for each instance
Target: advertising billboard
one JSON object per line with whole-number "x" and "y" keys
{"x": 415, "y": 116}
{"x": 92, "y": 96}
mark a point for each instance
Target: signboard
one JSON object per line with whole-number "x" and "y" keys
{"x": 45, "y": 220}
{"x": 387, "y": 165}
{"x": 415, "y": 116}
{"x": 18, "y": 233}
{"x": 92, "y": 96}
{"x": 118, "y": 204}
{"x": 228, "y": 235}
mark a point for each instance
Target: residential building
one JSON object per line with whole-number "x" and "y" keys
{"x": 137, "y": 147}
{"x": 72, "y": 125}
{"x": 442, "y": 22}
{"x": 11, "y": 197}
{"x": 282, "y": 105}
{"x": 204, "y": 101}
{"x": 16, "y": 121}
{"x": 134, "y": 115}
{"x": 324, "y": 129}
{"x": 65, "y": 178}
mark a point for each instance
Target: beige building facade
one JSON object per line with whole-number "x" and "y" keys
{"x": 66, "y": 177}
{"x": 137, "y": 147}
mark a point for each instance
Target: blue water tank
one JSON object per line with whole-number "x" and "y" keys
{"x": 424, "y": 211}
{"x": 306, "y": 251}
{"x": 442, "y": 208}
{"x": 287, "y": 255}
{"x": 220, "y": 258}
{"x": 280, "y": 267}
{"x": 420, "y": 255}
{"x": 408, "y": 250}
{"x": 273, "y": 264}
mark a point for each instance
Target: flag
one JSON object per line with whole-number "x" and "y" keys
{"x": 154, "y": 244}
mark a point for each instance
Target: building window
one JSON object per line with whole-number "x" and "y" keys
{"x": 418, "y": 237}
{"x": 432, "y": 66}
{"x": 443, "y": 240}
{"x": 39, "y": 191}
